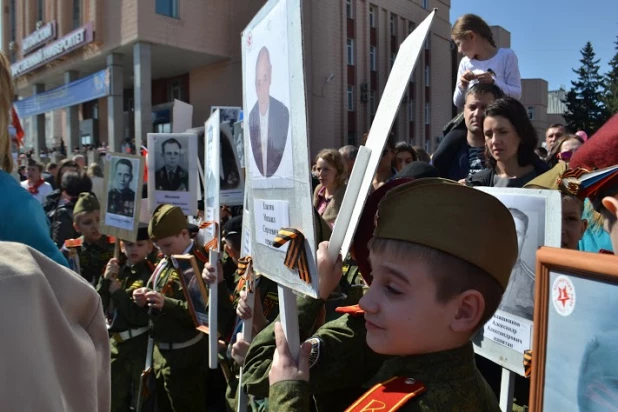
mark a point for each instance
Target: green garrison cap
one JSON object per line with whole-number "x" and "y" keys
{"x": 86, "y": 203}
{"x": 166, "y": 221}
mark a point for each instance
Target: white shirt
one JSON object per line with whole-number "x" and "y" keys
{"x": 506, "y": 74}
{"x": 44, "y": 190}
{"x": 264, "y": 136}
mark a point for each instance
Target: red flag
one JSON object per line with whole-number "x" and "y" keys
{"x": 144, "y": 152}
{"x": 19, "y": 131}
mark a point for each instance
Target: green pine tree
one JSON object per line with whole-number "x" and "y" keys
{"x": 610, "y": 85}
{"x": 585, "y": 110}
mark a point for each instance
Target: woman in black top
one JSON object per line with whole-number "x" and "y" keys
{"x": 510, "y": 140}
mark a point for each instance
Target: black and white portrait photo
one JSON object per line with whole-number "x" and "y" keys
{"x": 121, "y": 197}
{"x": 227, "y": 114}
{"x": 173, "y": 158}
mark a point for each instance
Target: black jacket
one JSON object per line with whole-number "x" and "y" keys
{"x": 486, "y": 177}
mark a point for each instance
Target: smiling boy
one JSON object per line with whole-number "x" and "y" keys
{"x": 433, "y": 287}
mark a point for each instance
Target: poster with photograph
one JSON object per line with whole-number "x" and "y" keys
{"x": 213, "y": 174}
{"x": 538, "y": 222}
{"x": 278, "y": 179}
{"x": 228, "y": 114}
{"x": 575, "y": 362}
{"x": 122, "y": 195}
{"x": 232, "y": 181}
{"x": 239, "y": 144}
{"x": 194, "y": 289}
{"x": 173, "y": 158}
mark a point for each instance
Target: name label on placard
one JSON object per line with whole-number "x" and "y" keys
{"x": 514, "y": 333}
{"x": 270, "y": 216}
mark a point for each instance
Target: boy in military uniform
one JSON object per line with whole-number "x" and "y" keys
{"x": 433, "y": 286}
{"x": 92, "y": 249}
{"x": 180, "y": 351}
{"x": 121, "y": 199}
{"x": 129, "y": 325}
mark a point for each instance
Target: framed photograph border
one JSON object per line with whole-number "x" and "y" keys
{"x": 185, "y": 289}
{"x": 591, "y": 266}
{"x": 214, "y": 189}
{"x": 115, "y": 231}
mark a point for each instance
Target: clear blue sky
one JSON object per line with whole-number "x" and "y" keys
{"x": 547, "y": 35}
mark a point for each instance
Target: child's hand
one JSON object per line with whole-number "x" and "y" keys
{"x": 485, "y": 78}
{"x": 112, "y": 269}
{"x": 284, "y": 367}
{"x": 329, "y": 271}
{"x": 244, "y": 312}
{"x": 209, "y": 275}
{"x": 240, "y": 349}
{"x": 139, "y": 296}
{"x": 466, "y": 78}
{"x": 155, "y": 299}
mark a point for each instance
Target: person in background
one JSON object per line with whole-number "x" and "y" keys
{"x": 385, "y": 170}
{"x": 80, "y": 160}
{"x": 404, "y": 155}
{"x": 51, "y": 202}
{"x": 49, "y": 175}
{"x": 23, "y": 173}
{"x": 23, "y": 219}
{"x": 73, "y": 184}
{"x": 422, "y": 154}
{"x": 510, "y": 140}
{"x": 328, "y": 195}
{"x": 483, "y": 61}
{"x": 552, "y": 134}
{"x": 95, "y": 173}
{"x": 349, "y": 154}
{"x": 563, "y": 149}
{"x": 35, "y": 184}
{"x": 583, "y": 135}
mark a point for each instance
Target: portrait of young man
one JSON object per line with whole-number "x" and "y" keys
{"x": 172, "y": 176}
{"x": 121, "y": 198}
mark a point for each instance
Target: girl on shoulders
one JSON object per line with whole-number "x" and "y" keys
{"x": 483, "y": 61}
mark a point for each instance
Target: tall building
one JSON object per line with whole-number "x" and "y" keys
{"x": 152, "y": 52}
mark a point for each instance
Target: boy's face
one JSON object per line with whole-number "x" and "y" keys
{"x": 174, "y": 245}
{"x": 138, "y": 251}
{"x": 402, "y": 314}
{"x": 573, "y": 227}
{"x": 611, "y": 204}
{"x": 88, "y": 225}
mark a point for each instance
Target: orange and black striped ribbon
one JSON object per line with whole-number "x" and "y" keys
{"x": 212, "y": 244}
{"x": 248, "y": 278}
{"x": 296, "y": 257}
{"x": 527, "y": 363}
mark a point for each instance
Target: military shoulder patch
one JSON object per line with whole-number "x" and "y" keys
{"x": 354, "y": 310}
{"x": 316, "y": 345}
{"x": 388, "y": 396}
{"x": 69, "y": 243}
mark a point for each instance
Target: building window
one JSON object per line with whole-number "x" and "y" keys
{"x": 77, "y": 13}
{"x": 427, "y": 114}
{"x": 372, "y": 16}
{"x": 167, "y": 8}
{"x": 424, "y": 4}
{"x": 350, "y": 98}
{"x": 411, "y": 110}
{"x": 427, "y": 76}
{"x": 411, "y": 27}
{"x": 352, "y": 139}
{"x": 372, "y": 103}
{"x": 40, "y": 10}
{"x": 428, "y": 41}
{"x": 350, "y": 52}
{"x": 373, "y": 64}
{"x": 531, "y": 112}
{"x": 393, "y": 57}
{"x": 393, "y": 24}
{"x": 348, "y": 9}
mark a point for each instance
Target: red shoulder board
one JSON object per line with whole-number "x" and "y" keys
{"x": 354, "y": 310}
{"x": 73, "y": 242}
{"x": 111, "y": 239}
{"x": 388, "y": 396}
{"x": 198, "y": 254}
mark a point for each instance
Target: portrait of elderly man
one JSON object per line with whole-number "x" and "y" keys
{"x": 121, "y": 198}
{"x": 172, "y": 177}
{"x": 269, "y": 120}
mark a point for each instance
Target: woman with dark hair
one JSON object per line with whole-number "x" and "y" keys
{"x": 510, "y": 141}
{"x": 52, "y": 199}
{"x": 404, "y": 155}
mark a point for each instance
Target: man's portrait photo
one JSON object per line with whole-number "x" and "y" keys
{"x": 121, "y": 197}
{"x": 518, "y": 298}
{"x": 269, "y": 120}
{"x": 172, "y": 176}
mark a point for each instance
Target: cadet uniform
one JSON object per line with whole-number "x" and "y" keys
{"x": 92, "y": 256}
{"x": 128, "y": 329}
{"x": 445, "y": 380}
{"x": 121, "y": 202}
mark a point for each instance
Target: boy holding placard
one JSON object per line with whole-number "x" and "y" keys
{"x": 433, "y": 286}
{"x": 92, "y": 249}
{"x": 129, "y": 325}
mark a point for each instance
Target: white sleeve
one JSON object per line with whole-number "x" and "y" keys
{"x": 511, "y": 86}
{"x": 459, "y": 94}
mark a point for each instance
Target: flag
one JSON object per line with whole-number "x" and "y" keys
{"x": 19, "y": 131}
{"x": 144, "y": 152}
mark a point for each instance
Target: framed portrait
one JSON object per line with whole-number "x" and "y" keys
{"x": 227, "y": 114}
{"x": 278, "y": 174}
{"x": 214, "y": 175}
{"x": 239, "y": 143}
{"x": 575, "y": 361}
{"x": 122, "y": 195}
{"x": 194, "y": 289}
{"x": 537, "y": 215}
{"x": 173, "y": 171}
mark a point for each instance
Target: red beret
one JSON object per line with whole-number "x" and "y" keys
{"x": 601, "y": 150}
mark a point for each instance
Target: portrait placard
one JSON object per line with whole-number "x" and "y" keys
{"x": 194, "y": 289}
{"x": 232, "y": 182}
{"x": 122, "y": 195}
{"x": 172, "y": 160}
{"x": 537, "y": 215}
{"x": 228, "y": 114}
{"x": 212, "y": 171}
{"x": 276, "y": 145}
{"x": 575, "y": 362}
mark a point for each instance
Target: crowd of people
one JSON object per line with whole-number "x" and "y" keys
{"x": 395, "y": 315}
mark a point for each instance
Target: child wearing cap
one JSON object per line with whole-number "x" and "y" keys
{"x": 92, "y": 249}
{"x": 433, "y": 287}
{"x": 129, "y": 323}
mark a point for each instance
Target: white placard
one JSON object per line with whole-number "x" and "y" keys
{"x": 212, "y": 174}
{"x": 172, "y": 166}
{"x": 182, "y": 116}
{"x": 510, "y": 331}
{"x": 270, "y": 216}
